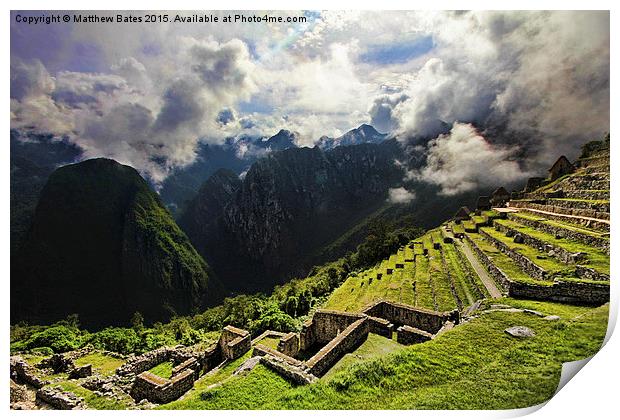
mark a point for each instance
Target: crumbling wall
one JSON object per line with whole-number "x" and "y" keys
{"x": 59, "y": 399}
{"x": 351, "y": 338}
{"x": 159, "y": 390}
{"x": 146, "y": 361}
{"x": 402, "y": 314}
{"x": 289, "y": 344}
{"x": 22, "y": 371}
{"x": 410, "y": 335}
{"x": 262, "y": 350}
{"x": 290, "y": 372}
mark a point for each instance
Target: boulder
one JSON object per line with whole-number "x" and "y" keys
{"x": 520, "y": 331}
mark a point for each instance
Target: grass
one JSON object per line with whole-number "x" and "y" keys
{"x": 271, "y": 342}
{"x": 163, "y": 370}
{"x": 221, "y": 390}
{"x": 565, "y": 225}
{"x": 92, "y": 400}
{"x": 551, "y": 265}
{"x": 463, "y": 280}
{"x": 374, "y": 346}
{"x": 503, "y": 262}
{"x": 457, "y": 370}
{"x": 103, "y": 364}
{"x": 597, "y": 259}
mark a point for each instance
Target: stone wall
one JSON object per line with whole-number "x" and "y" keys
{"x": 560, "y": 209}
{"x": 146, "y": 361}
{"x": 289, "y": 344}
{"x": 562, "y": 291}
{"x": 351, "y": 338}
{"x": 292, "y": 373}
{"x": 558, "y": 252}
{"x": 380, "y": 326}
{"x": 324, "y": 326}
{"x": 401, "y": 314}
{"x": 158, "y": 390}
{"x": 559, "y": 291}
{"x": 234, "y": 342}
{"x": 527, "y": 265}
{"x": 590, "y": 274}
{"x": 601, "y": 243}
{"x": 191, "y": 363}
{"x": 59, "y": 399}
{"x": 268, "y": 333}
{"x": 262, "y": 350}
{"x": 23, "y": 372}
{"x": 410, "y": 335}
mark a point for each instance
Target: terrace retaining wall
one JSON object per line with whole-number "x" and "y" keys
{"x": 401, "y": 314}
{"x": 527, "y": 265}
{"x": 351, "y": 338}
{"x": 601, "y": 243}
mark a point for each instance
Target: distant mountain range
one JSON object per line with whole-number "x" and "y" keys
{"x": 363, "y": 134}
{"x": 237, "y": 154}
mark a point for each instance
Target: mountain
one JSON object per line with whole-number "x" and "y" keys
{"x": 103, "y": 246}
{"x": 33, "y": 158}
{"x": 291, "y": 203}
{"x": 363, "y": 134}
{"x": 236, "y": 154}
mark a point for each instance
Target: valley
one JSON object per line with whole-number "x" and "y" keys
{"x": 477, "y": 313}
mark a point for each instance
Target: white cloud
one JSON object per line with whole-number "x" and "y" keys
{"x": 463, "y": 160}
{"x": 400, "y": 195}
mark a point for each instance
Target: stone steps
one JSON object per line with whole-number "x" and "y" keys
{"x": 592, "y": 238}
{"x": 584, "y": 181}
{"x": 595, "y": 160}
{"x": 562, "y": 209}
{"x": 564, "y": 250}
{"x": 599, "y": 206}
{"x": 587, "y": 194}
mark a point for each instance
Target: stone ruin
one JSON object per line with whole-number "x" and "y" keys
{"x": 329, "y": 335}
{"x": 233, "y": 343}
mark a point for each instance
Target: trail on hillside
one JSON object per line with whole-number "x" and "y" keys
{"x": 482, "y": 273}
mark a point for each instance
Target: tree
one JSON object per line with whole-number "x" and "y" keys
{"x": 137, "y": 322}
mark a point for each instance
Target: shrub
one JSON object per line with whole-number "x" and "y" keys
{"x": 59, "y": 338}
{"x": 119, "y": 340}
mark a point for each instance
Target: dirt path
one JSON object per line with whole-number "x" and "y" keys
{"x": 479, "y": 269}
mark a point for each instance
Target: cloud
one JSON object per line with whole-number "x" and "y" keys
{"x": 151, "y": 120}
{"x": 464, "y": 160}
{"x": 535, "y": 82}
{"x": 539, "y": 80}
{"x": 400, "y": 195}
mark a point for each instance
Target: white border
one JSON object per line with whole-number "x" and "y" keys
{"x": 592, "y": 395}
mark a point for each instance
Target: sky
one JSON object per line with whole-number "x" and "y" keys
{"x": 514, "y": 89}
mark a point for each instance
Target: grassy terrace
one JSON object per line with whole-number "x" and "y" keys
{"x": 503, "y": 262}
{"x": 374, "y": 346}
{"x": 163, "y": 370}
{"x": 92, "y": 400}
{"x": 222, "y": 390}
{"x": 540, "y": 258}
{"x": 103, "y": 364}
{"x": 427, "y": 273}
{"x": 457, "y": 370}
{"x": 565, "y": 225}
{"x": 597, "y": 259}
{"x": 441, "y": 282}
{"x": 468, "y": 285}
